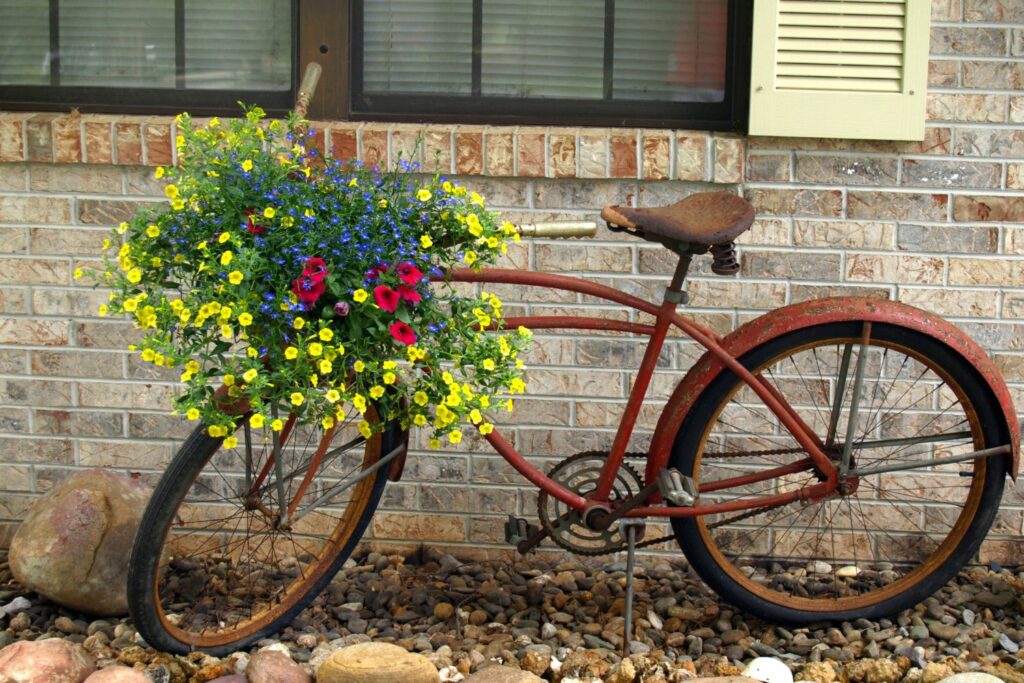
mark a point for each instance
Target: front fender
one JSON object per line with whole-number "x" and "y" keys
{"x": 818, "y": 311}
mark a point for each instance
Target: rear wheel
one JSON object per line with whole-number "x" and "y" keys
{"x": 887, "y": 539}
{"x": 214, "y": 568}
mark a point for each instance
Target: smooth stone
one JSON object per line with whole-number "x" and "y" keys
{"x": 52, "y": 660}
{"x": 848, "y": 572}
{"x": 271, "y": 666}
{"x": 1008, "y": 644}
{"x": 118, "y": 674}
{"x": 971, "y": 677}
{"x": 376, "y": 663}
{"x": 92, "y": 514}
{"x": 502, "y": 674}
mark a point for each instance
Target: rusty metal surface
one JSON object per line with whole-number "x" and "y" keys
{"x": 802, "y": 315}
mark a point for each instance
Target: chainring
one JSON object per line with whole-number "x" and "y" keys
{"x": 580, "y": 473}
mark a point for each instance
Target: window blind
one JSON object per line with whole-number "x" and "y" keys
{"x": 229, "y": 44}
{"x": 24, "y": 42}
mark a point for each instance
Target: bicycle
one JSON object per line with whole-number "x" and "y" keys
{"x": 863, "y": 432}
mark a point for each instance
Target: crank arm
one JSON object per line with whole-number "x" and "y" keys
{"x": 533, "y": 540}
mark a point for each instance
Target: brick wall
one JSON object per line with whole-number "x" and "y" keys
{"x": 938, "y": 224}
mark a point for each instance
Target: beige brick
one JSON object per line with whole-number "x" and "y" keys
{"x": 33, "y": 332}
{"x": 25, "y": 209}
{"x": 790, "y": 264}
{"x": 950, "y": 301}
{"x": 855, "y": 234}
{"x": 158, "y": 426}
{"x": 1013, "y": 305}
{"x": 573, "y": 258}
{"x": 13, "y": 361}
{"x": 77, "y": 423}
{"x": 66, "y": 241}
{"x": 958, "y": 239}
{"x": 592, "y": 195}
{"x": 122, "y": 453}
{"x": 12, "y": 138}
{"x": 437, "y": 150}
{"x": 407, "y": 143}
{"x": 803, "y": 292}
{"x": 35, "y": 392}
{"x": 14, "y": 240}
{"x": 108, "y": 211}
{"x": 34, "y": 271}
{"x": 946, "y": 10}
{"x": 499, "y": 157}
{"x": 799, "y": 202}
{"x": 562, "y": 153}
{"x": 966, "y": 107}
{"x": 989, "y": 142}
{"x": 656, "y": 154}
{"x": 73, "y": 363}
{"x": 1017, "y": 108}
{"x": 12, "y": 177}
{"x": 439, "y": 498}
{"x": 15, "y": 505}
{"x": 988, "y": 208}
{"x": 731, "y": 294}
{"x": 84, "y": 179}
{"x": 767, "y": 231}
{"x": 36, "y": 451}
{"x": 594, "y": 153}
{"x": 995, "y": 11}
{"x": 943, "y": 73}
{"x": 941, "y": 173}
{"x": 891, "y": 268}
{"x": 1013, "y": 240}
{"x": 897, "y": 205}
{"x": 531, "y": 152}
{"x": 998, "y": 271}
{"x": 16, "y": 477}
{"x": 729, "y": 153}
{"x": 968, "y": 40}
{"x": 770, "y": 167}
{"x": 588, "y": 382}
{"x": 692, "y": 156}
{"x": 14, "y": 300}
{"x": 79, "y": 303}
{"x": 106, "y": 335}
{"x": 419, "y": 527}
{"x": 125, "y": 395}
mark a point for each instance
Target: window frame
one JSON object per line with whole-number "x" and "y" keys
{"x": 731, "y": 114}
{"x": 322, "y": 31}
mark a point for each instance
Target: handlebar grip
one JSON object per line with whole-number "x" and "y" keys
{"x": 306, "y": 89}
{"x": 559, "y": 230}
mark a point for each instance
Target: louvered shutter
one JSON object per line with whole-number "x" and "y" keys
{"x": 840, "y": 69}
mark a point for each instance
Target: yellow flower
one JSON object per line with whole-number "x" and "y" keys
{"x": 315, "y": 349}
{"x": 245, "y": 319}
{"x": 423, "y": 195}
{"x": 269, "y": 212}
{"x": 134, "y": 275}
{"x": 486, "y": 428}
{"x": 447, "y": 377}
{"x": 287, "y": 221}
{"x": 256, "y": 421}
{"x": 296, "y": 398}
{"x": 325, "y": 367}
{"x": 420, "y": 398}
{"x": 475, "y": 229}
{"x": 192, "y": 414}
{"x": 359, "y": 296}
{"x": 476, "y": 199}
{"x": 103, "y": 309}
{"x": 389, "y": 365}
{"x": 453, "y": 399}
{"x": 359, "y": 401}
{"x": 230, "y": 442}
{"x": 224, "y": 237}
{"x": 152, "y": 230}
{"x": 229, "y": 380}
{"x": 291, "y": 353}
{"x": 226, "y": 331}
{"x": 122, "y": 228}
{"x": 426, "y": 242}
{"x": 235, "y": 277}
{"x": 517, "y": 386}
{"x": 390, "y": 377}
{"x": 250, "y": 374}
{"x": 475, "y": 417}
{"x": 434, "y": 444}
{"x": 216, "y": 431}
{"x": 299, "y": 323}
{"x": 419, "y": 420}
{"x": 376, "y": 391}
{"x": 364, "y": 429}
{"x": 333, "y": 396}
{"x": 171, "y": 191}
{"x": 309, "y": 213}
{"x": 277, "y": 425}
{"x": 252, "y": 352}
{"x": 130, "y": 305}
{"x": 226, "y": 257}
{"x": 455, "y": 436}
{"x": 326, "y": 334}
{"x": 327, "y": 422}
{"x": 339, "y": 413}
{"x": 178, "y": 204}
{"x": 247, "y": 165}
{"x": 470, "y": 257}
{"x": 359, "y": 366}
{"x": 159, "y": 172}
{"x": 78, "y": 273}
{"x": 383, "y": 203}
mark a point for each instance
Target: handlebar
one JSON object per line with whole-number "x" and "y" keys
{"x": 559, "y": 229}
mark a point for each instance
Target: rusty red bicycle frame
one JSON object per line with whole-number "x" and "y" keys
{"x": 665, "y": 316}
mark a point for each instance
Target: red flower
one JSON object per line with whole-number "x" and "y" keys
{"x": 409, "y": 274}
{"x": 402, "y": 333}
{"x": 252, "y": 227}
{"x": 315, "y": 268}
{"x": 386, "y": 298}
{"x": 375, "y": 272}
{"x": 308, "y": 287}
{"x": 409, "y": 294}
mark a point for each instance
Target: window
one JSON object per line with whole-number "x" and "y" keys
{"x": 633, "y": 62}
{"x": 144, "y": 55}
{"x": 679, "y": 63}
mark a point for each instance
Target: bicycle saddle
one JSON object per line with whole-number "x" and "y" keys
{"x": 708, "y": 218}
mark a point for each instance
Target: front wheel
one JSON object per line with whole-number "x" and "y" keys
{"x": 213, "y": 568}
{"x": 888, "y": 538}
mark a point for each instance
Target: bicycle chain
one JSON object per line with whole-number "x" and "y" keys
{"x": 541, "y": 499}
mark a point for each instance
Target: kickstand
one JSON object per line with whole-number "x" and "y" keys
{"x": 632, "y": 530}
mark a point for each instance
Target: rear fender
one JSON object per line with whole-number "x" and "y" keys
{"x": 799, "y": 316}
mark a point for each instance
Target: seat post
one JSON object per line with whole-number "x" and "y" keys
{"x": 675, "y": 293}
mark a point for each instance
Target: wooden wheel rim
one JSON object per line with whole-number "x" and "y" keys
{"x": 902, "y": 584}
{"x": 299, "y": 587}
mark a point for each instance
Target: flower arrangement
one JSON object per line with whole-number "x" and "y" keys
{"x": 310, "y": 286}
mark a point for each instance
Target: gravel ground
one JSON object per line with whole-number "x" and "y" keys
{"x": 535, "y": 613}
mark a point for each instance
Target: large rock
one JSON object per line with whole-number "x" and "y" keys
{"x": 118, "y": 674}
{"x": 376, "y": 663}
{"x": 44, "y": 661}
{"x": 74, "y": 544}
{"x": 503, "y": 674}
{"x": 271, "y": 666}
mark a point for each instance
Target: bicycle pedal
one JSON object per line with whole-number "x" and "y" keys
{"x": 677, "y": 488}
{"x": 517, "y": 529}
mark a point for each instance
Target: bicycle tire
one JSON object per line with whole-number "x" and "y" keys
{"x": 765, "y": 562}
{"x": 182, "y": 602}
